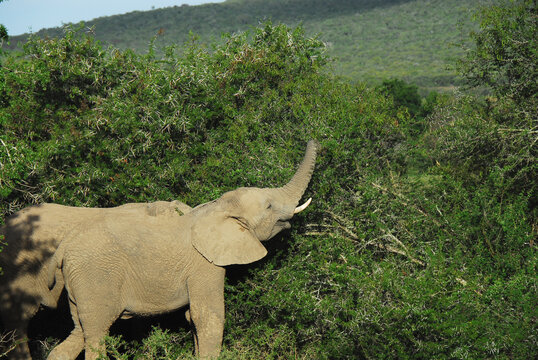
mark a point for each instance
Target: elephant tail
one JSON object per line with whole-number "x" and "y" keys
{"x": 55, "y": 263}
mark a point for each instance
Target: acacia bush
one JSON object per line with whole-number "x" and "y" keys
{"x": 405, "y": 251}
{"x": 409, "y": 43}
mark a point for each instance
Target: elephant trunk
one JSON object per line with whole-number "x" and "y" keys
{"x": 296, "y": 187}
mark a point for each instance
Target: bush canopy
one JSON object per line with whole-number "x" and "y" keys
{"x": 420, "y": 242}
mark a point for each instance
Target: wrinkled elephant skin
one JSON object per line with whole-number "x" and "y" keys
{"x": 32, "y": 236}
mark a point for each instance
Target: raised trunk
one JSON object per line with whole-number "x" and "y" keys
{"x": 297, "y": 185}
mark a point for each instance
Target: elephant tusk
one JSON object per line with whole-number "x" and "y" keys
{"x": 298, "y": 209}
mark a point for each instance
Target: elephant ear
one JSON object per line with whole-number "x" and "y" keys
{"x": 223, "y": 241}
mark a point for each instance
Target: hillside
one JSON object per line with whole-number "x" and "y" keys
{"x": 369, "y": 40}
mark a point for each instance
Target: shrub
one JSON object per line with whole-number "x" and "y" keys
{"x": 407, "y": 99}
{"x": 504, "y": 56}
{"x": 404, "y": 95}
{"x": 103, "y": 126}
{"x": 416, "y": 245}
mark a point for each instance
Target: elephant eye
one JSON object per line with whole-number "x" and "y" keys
{"x": 241, "y": 221}
{"x": 269, "y": 206}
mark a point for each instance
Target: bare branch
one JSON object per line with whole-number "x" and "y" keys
{"x": 8, "y": 342}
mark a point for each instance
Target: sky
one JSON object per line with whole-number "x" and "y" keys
{"x": 23, "y": 16}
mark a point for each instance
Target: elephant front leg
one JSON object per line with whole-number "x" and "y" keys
{"x": 206, "y": 311}
{"x": 189, "y": 320}
{"x": 208, "y": 321}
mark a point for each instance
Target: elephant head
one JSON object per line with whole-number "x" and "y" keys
{"x": 229, "y": 230}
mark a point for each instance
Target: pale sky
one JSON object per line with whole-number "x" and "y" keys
{"x": 23, "y": 16}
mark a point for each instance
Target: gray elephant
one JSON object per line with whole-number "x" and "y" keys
{"x": 32, "y": 235}
{"x": 129, "y": 263}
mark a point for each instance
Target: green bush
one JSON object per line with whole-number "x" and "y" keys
{"x": 409, "y": 43}
{"x": 404, "y": 95}
{"x": 504, "y": 56}
{"x": 407, "y": 99}
{"x": 418, "y": 244}
{"x": 102, "y": 127}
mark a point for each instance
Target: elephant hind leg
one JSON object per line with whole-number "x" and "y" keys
{"x": 16, "y": 314}
{"x": 96, "y": 320}
{"x": 73, "y": 345}
{"x": 94, "y": 340}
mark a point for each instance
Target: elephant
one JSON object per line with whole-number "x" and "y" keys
{"x": 131, "y": 264}
{"x": 31, "y": 237}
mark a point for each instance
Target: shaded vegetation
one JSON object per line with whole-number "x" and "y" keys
{"x": 370, "y": 40}
{"x": 421, "y": 239}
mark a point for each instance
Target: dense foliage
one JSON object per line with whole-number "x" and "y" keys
{"x": 370, "y": 39}
{"x": 504, "y": 57}
{"x": 420, "y": 242}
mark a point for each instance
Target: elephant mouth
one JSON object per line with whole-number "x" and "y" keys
{"x": 278, "y": 227}
{"x": 282, "y": 224}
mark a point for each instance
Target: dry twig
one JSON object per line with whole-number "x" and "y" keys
{"x": 8, "y": 342}
{"x": 405, "y": 202}
{"x": 342, "y": 224}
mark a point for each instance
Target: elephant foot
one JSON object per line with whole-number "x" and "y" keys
{"x": 68, "y": 349}
{"x": 57, "y": 356}
{"x": 93, "y": 350}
